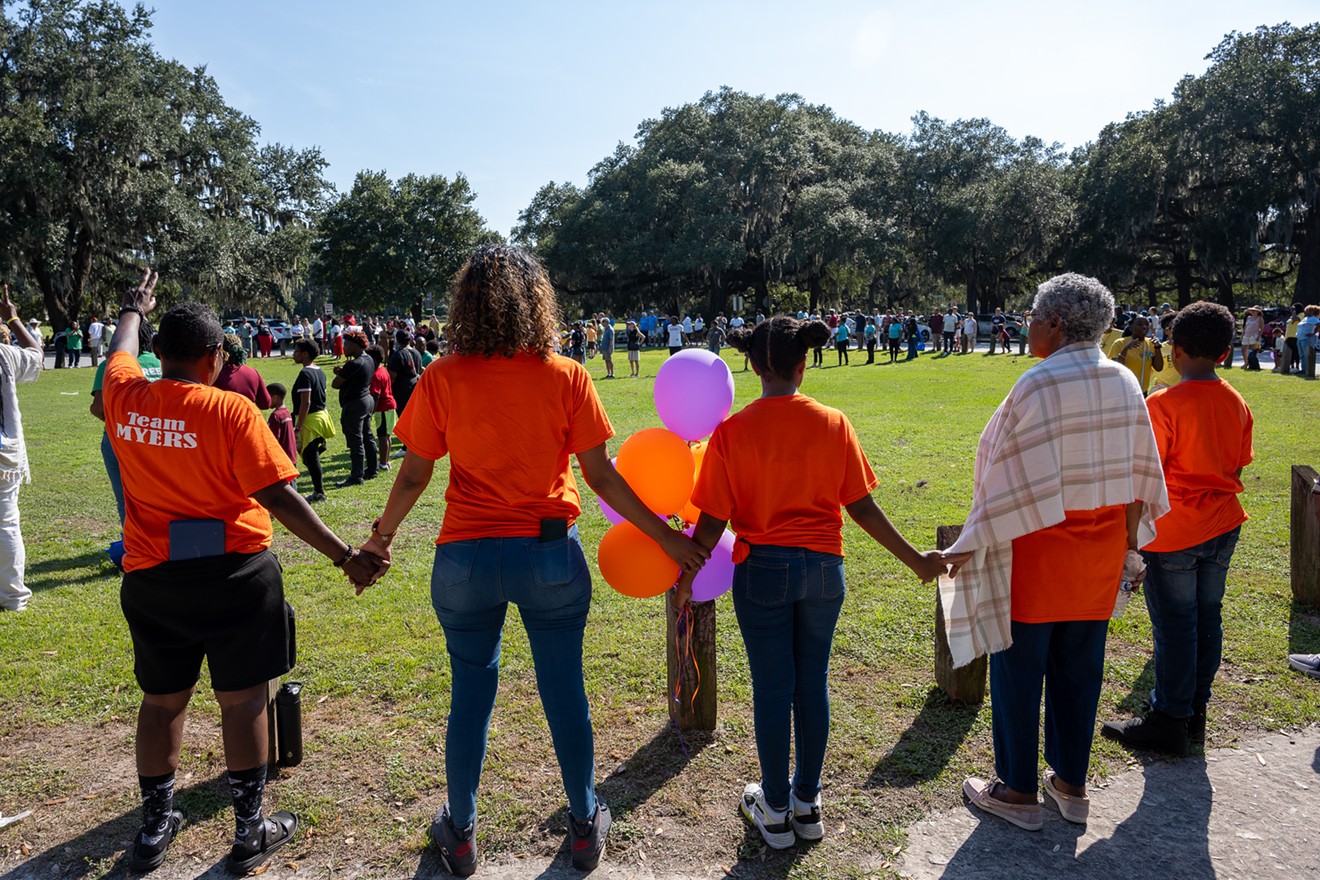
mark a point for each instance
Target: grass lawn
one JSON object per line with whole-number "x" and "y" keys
{"x": 376, "y": 674}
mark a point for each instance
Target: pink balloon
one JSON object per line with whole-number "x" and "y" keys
{"x": 693, "y": 393}
{"x": 716, "y": 576}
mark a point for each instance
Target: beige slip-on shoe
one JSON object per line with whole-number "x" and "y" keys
{"x": 1029, "y": 817}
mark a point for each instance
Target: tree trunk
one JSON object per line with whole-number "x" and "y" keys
{"x": 417, "y": 310}
{"x": 1308, "y": 263}
{"x": 691, "y": 663}
{"x": 813, "y": 292}
{"x": 973, "y": 291}
{"x": 1224, "y": 286}
{"x": 1182, "y": 276}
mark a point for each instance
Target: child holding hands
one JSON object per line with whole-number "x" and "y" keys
{"x": 788, "y": 585}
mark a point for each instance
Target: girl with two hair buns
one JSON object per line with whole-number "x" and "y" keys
{"x": 788, "y": 583}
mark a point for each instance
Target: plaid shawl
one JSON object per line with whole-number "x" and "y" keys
{"x": 1072, "y": 434}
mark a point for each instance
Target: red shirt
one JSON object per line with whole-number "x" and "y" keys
{"x": 382, "y": 390}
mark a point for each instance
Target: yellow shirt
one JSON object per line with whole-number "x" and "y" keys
{"x": 1107, "y": 341}
{"x": 1138, "y": 360}
{"x": 1167, "y": 376}
{"x": 1290, "y": 329}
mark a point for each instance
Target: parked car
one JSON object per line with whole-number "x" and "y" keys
{"x": 985, "y": 325}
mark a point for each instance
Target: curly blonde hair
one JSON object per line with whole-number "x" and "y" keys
{"x": 502, "y": 304}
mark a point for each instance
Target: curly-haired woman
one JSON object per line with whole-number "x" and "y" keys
{"x": 238, "y": 377}
{"x": 508, "y": 533}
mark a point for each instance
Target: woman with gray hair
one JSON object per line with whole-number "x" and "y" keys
{"x": 1068, "y": 485}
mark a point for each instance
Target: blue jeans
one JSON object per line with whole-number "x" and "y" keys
{"x": 1185, "y": 596}
{"x": 1068, "y": 658}
{"x": 472, "y": 584}
{"x": 112, "y": 471}
{"x": 787, "y": 600}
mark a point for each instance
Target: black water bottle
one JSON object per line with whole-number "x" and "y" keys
{"x": 288, "y": 723}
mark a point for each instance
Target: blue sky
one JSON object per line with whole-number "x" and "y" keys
{"x": 514, "y": 95}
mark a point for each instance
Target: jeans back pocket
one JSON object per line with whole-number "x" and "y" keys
{"x": 453, "y": 564}
{"x": 766, "y": 583}
{"x": 552, "y": 562}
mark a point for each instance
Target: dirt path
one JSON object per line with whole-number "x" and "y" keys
{"x": 1252, "y": 812}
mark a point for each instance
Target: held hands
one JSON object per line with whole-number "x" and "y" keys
{"x": 930, "y": 565}
{"x": 955, "y": 561}
{"x": 143, "y": 296}
{"x": 686, "y": 552}
{"x": 366, "y": 567}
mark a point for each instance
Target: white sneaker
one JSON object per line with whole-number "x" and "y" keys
{"x": 776, "y": 826}
{"x": 806, "y": 819}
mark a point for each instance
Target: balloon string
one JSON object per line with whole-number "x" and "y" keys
{"x": 687, "y": 654}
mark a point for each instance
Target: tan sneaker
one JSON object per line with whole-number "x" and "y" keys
{"x": 1071, "y": 807}
{"x": 1029, "y": 817}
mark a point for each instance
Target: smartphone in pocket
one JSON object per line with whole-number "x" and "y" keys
{"x": 196, "y": 538}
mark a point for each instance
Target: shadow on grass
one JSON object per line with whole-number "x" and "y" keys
{"x": 87, "y": 854}
{"x": 928, "y": 744}
{"x": 627, "y": 788}
{"x": 50, "y": 574}
{"x": 1303, "y": 628}
{"x": 1138, "y": 699}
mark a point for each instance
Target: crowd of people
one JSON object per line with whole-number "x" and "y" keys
{"x": 1099, "y": 468}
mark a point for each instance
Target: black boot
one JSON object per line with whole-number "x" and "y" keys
{"x": 1157, "y": 732}
{"x": 1196, "y": 727}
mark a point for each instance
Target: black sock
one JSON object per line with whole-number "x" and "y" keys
{"x": 157, "y": 801}
{"x": 247, "y": 787}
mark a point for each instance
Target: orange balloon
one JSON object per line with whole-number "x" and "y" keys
{"x": 659, "y": 467}
{"x": 690, "y": 514}
{"x": 633, "y": 564}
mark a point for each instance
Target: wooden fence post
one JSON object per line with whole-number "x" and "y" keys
{"x": 696, "y": 669}
{"x": 965, "y": 685}
{"x": 1305, "y": 538}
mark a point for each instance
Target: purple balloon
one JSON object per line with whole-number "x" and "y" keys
{"x": 693, "y": 393}
{"x": 716, "y": 576}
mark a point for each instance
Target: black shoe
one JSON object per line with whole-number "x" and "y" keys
{"x": 1196, "y": 726}
{"x": 458, "y": 849}
{"x": 315, "y": 497}
{"x": 351, "y": 481}
{"x": 269, "y": 835}
{"x": 1156, "y": 732}
{"x": 370, "y": 476}
{"x": 147, "y": 856}
{"x": 586, "y": 840}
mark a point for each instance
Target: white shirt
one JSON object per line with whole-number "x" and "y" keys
{"x": 675, "y": 334}
{"x": 317, "y": 327}
{"x": 336, "y": 331}
{"x": 687, "y": 324}
{"x": 737, "y": 322}
{"x": 17, "y": 365}
{"x": 950, "y": 322}
{"x": 95, "y": 331}
{"x": 969, "y": 326}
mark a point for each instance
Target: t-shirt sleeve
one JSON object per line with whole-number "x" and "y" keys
{"x": 99, "y": 377}
{"x": 858, "y": 478}
{"x": 259, "y": 460}
{"x": 121, "y": 368}
{"x": 424, "y": 422}
{"x": 1248, "y": 427}
{"x": 1158, "y": 406}
{"x": 713, "y": 493}
{"x": 588, "y": 425}
{"x": 260, "y": 390}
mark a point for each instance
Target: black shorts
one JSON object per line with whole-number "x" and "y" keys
{"x": 229, "y": 609}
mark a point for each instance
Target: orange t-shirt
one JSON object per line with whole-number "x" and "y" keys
{"x": 780, "y": 469}
{"x": 188, "y": 451}
{"x": 1203, "y": 431}
{"x": 1070, "y": 571}
{"x": 508, "y": 426}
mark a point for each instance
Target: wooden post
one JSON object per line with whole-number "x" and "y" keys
{"x": 965, "y": 685}
{"x": 1305, "y": 540}
{"x": 689, "y": 714}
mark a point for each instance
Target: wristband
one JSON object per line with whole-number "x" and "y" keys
{"x": 380, "y": 536}
{"x": 349, "y": 555}
{"x": 123, "y": 309}
{"x": 13, "y": 319}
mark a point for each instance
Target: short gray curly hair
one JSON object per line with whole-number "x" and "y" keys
{"x": 1084, "y": 306}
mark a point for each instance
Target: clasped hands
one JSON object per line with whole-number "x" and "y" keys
{"x": 366, "y": 567}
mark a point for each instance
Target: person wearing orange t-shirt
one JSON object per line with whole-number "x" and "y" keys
{"x": 509, "y": 414}
{"x": 200, "y": 473}
{"x": 1203, "y": 428}
{"x": 788, "y": 584}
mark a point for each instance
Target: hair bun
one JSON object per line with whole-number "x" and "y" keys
{"x": 813, "y": 334}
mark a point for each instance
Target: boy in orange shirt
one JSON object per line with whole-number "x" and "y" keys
{"x": 1203, "y": 429}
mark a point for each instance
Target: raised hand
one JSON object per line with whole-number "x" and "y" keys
{"x": 7, "y": 310}
{"x": 143, "y": 296}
